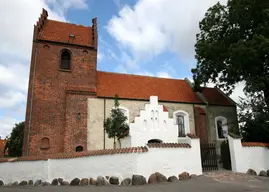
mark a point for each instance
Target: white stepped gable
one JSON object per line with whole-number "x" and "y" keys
{"x": 152, "y": 123}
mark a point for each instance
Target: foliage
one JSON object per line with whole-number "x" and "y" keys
{"x": 254, "y": 118}
{"x": 15, "y": 141}
{"x": 115, "y": 125}
{"x": 232, "y": 46}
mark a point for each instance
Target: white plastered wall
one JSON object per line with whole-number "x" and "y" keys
{"x": 152, "y": 123}
{"x": 169, "y": 161}
{"x": 244, "y": 158}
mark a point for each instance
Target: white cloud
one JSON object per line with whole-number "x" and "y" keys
{"x": 100, "y": 56}
{"x": 154, "y": 26}
{"x": 7, "y": 123}
{"x": 163, "y": 74}
{"x": 11, "y": 99}
{"x": 14, "y": 75}
{"x": 17, "y": 20}
{"x": 238, "y": 91}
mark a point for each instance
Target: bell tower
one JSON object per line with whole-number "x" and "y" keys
{"x": 62, "y": 78}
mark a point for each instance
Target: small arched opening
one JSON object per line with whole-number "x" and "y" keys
{"x": 155, "y": 141}
{"x": 79, "y": 149}
{"x": 45, "y": 143}
{"x": 65, "y": 60}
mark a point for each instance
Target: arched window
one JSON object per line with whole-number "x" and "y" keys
{"x": 181, "y": 119}
{"x": 45, "y": 143}
{"x": 145, "y": 124}
{"x": 79, "y": 149}
{"x": 221, "y": 127}
{"x": 65, "y": 60}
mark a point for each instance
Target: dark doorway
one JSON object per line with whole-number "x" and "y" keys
{"x": 154, "y": 141}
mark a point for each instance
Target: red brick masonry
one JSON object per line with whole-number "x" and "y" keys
{"x": 255, "y": 144}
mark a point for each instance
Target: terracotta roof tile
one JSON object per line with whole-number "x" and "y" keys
{"x": 165, "y": 109}
{"x": 76, "y": 155}
{"x": 192, "y": 136}
{"x": 254, "y": 144}
{"x": 60, "y": 31}
{"x": 168, "y": 145}
{"x": 142, "y": 87}
{"x": 214, "y": 97}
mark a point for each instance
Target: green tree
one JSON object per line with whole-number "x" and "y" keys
{"x": 233, "y": 46}
{"x": 254, "y": 118}
{"x": 15, "y": 141}
{"x": 115, "y": 125}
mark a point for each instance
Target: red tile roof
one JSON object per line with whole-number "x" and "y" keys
{"x": 168, "y": 145}
{"x": 142, "y": 87}
{"x": 215, "y": 97}
{"x": 76, "y": 155}
{"x": 192, "y": 136}
{"x": 60, "y": 31}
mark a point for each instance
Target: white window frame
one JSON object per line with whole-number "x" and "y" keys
{"x": 186, "y": 119}
{"x": 224, "y": 121}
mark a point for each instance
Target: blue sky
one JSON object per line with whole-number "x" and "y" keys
{"x": 145, "y": 37}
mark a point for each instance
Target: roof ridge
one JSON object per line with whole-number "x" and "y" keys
{"x": 79, "y": 25}
{"x": 140, "y": 75}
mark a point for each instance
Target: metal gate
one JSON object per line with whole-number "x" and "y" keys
{"x": 209, "y": 157}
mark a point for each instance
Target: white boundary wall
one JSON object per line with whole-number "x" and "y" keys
{"x": 168, "y": 161}
{"x": 244, "y": 158}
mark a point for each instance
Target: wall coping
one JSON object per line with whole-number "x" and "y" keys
{"x": 192, "y": 136}
{"x": 168, "y": 145}
{"x": 77, "y": 154}
{"x": 255, "y": 144}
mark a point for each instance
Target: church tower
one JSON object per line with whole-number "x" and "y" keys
{"x": 62, "y": 78}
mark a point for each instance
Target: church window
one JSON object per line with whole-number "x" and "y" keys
{"x": 65, "y": 60}
{"x": 79, "y": 149}
{"x": 181, "y": 119}
{"x": 45, "y": 143}
{"x": 221, "y": 127}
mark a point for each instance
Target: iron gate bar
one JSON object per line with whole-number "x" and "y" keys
{"x": 209, "y": 157}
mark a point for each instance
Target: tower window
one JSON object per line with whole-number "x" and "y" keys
{"x": 45, "y": 143}
{"x": 79, "y": 149}
{"x": 65, "y": 60}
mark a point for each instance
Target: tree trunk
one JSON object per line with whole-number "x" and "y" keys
{"x": 114, "y": 145}
{"x": 119, "y": 143}
{"x": 266, "y": 97}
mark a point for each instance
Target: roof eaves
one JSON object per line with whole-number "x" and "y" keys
{"x": 220, "y": 91}
{"x": 199, "y": 95}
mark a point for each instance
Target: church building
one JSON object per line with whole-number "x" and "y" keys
{"x": 68, "y": 98}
